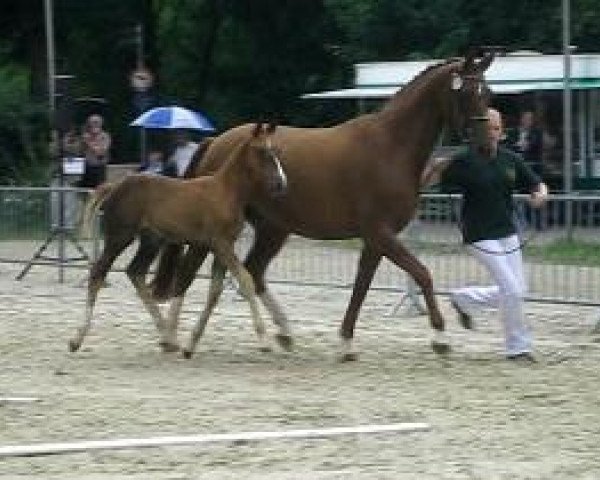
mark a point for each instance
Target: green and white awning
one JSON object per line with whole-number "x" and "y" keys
{"x": 511, "y": 74}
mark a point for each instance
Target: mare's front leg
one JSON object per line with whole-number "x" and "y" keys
{"x": 368, "y": 263}
{"x": 214, "y": 292}
{"x": 98, "y": 272}
{"x": 184, "y": 276}
{"x": 147, "y": 251}
{"x": 385, "y": 240}
{"x": 268, "y": 240}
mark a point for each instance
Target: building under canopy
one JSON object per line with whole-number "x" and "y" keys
{"x": 520, "y": 80}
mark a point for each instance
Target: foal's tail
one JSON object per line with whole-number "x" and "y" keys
{"x": 97, "y": 198}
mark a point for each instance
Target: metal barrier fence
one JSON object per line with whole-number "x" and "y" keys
{"x": 28, "y": 216}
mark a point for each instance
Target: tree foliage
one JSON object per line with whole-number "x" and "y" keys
{"x": 240, "y": 60}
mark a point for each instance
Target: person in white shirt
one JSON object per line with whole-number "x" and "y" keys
{"x": 183, "y": 152}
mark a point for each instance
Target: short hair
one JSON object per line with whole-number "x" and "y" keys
{"x": 95, "y": 119}
{"x": 492, "y": 112}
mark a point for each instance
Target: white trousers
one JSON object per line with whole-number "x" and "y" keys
{"x": 506, "y": 270}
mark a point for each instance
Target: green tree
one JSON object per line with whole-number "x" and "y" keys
{"x": 239, "y": 60}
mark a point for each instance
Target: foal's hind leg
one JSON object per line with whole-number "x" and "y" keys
{"x": 268, "y": 240}
{"x": 100, "y": 268}
{"x": 214, "y": 292}
{"x": 386, "y": 241}
{"x": 148, "y": 249}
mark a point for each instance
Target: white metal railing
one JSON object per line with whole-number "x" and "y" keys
{"x": 26, "y": 220}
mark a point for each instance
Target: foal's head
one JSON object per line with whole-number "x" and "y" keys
{"x": 263, "y": 165}
{"x": 469, "y": 97}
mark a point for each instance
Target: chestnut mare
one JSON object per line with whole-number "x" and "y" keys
{"x": 208, "y": 210}
{"x": 359, "y": 179}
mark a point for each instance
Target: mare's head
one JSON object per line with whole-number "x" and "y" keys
{"x": 263, "y": 165}
{"x": 469, "y": 96}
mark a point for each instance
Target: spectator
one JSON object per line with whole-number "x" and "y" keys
{"x": 71, "y": 143}
{"x": 182, "y": 153}
{"x": 528, "y": 140}
{"x": 96, "y": 150}
{"x": 155, "y": 164}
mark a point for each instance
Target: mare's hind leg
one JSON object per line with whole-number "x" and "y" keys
{"x": 386, "y": 241}
{"x": 369, "y": 260}
{"x": 268, "y": 240}
{"x": 166, "y": 270}
{"x": 148, "y": 249}
{"x": 185, "y": 274}
{"x": 214, "y": 292}
{"x": 112, "y": 249}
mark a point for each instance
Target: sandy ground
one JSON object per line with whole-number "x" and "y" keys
{"x": 490, "y": 419}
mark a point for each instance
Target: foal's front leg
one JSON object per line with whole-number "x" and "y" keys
{"x": 248, "y": 291}
{"x": 227, "y": 256}
{"x": 185, "y": 274}
{"x": 214, "y": 292}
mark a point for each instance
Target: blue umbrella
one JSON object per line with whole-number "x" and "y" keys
{"x": 173, "y": 118}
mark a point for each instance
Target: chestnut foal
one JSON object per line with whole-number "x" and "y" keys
{"x": 202, "y": 211}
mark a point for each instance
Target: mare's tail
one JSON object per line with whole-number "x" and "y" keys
{"x": 97, "y": 198}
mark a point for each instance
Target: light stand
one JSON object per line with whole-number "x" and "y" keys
{"x": 59, "y": 230}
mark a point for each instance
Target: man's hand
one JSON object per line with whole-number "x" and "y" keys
{"x": 539, "y": 196}
{"x": 433, "y": 171}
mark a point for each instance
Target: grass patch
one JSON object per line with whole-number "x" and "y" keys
{"x": 560, "y": 252}
{"x": 567, "y": 252}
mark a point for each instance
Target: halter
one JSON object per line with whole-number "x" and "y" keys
{"x": 458, "y": 83}
{"x": 272, "y": 153}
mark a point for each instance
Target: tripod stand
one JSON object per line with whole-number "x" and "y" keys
{"x": 60, "y": 231}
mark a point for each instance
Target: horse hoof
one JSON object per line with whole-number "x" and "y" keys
{"x": 168, "y": 347}
{"x": 440, "y": 348}
{"x": 187, "y": 354}
{"x": 349, "y": 357}
{"x": 285, "y": 341}
{"x": 74, "y": 346}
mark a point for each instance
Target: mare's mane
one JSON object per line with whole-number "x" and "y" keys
{"x": 196, "y": 157}
{"x": 405, "y": 92}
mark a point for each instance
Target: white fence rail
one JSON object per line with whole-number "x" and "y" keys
{"x": 30, "y": 218}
